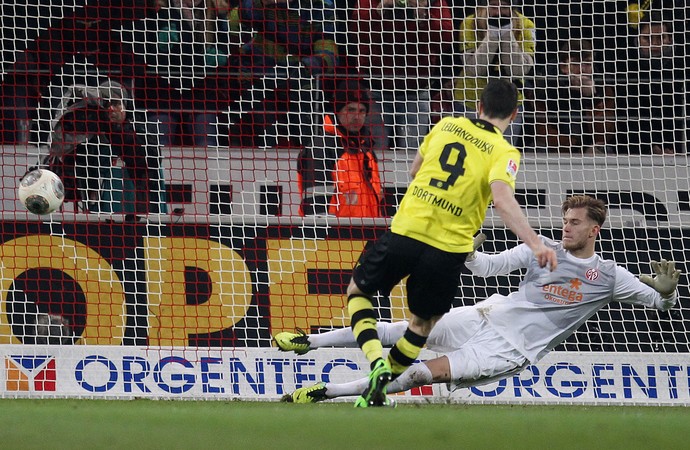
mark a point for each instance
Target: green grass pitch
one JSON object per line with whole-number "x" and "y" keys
{"x": 151, "y": 424}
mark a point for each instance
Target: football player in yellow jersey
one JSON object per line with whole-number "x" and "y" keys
{"x": 461, "y": 166}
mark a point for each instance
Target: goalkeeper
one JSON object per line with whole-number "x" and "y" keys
{"x": 501, "y": 335}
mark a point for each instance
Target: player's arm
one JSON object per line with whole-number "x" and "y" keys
{"x": 483, "y": 265}
{"x": 511, "y": 213}
{"x": 657, "y": 291}
{"x": 416, "y": 164}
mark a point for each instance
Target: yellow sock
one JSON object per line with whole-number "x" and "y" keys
{"x": 405, "y": 351}
{"x": 363, "y": 320}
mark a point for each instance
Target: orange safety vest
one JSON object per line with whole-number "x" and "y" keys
{"x": 355, "y": 175}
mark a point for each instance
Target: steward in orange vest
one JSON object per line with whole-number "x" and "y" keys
{"x": 342, "y": 178}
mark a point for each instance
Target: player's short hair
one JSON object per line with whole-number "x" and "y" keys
{"x": 596, "y": 208}
{"x": 499, "y": 98}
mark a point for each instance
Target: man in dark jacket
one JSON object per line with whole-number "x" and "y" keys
{"x": 341, "y": 178}
{"x": 653, "y": 93}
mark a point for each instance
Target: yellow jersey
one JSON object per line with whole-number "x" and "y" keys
{"x": 446, "y": 202}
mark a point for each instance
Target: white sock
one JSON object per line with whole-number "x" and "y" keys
{"x": 389, "y": 333}
{"x": 353, "y": 388}
{"x": 417, "y": 375}
{"x": 342, "y": 337}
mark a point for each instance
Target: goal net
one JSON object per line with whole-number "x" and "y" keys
{"x": 203, "y": 146}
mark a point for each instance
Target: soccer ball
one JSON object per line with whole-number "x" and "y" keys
{"x": 41, "y": 191}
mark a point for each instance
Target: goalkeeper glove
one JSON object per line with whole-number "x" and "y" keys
{"x": 666, "y": 278}
{"x": 476, "y": 243}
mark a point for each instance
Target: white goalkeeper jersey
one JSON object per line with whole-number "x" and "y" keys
{"x": 549, "y": 306}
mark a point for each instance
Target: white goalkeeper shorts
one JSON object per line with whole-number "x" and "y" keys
{"x": 476, "y": 352}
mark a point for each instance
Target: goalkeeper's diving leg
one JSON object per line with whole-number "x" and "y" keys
{"x": 389, "y": 334}
{"x": 300, "y": 342}
{"x": 421, "y": 374}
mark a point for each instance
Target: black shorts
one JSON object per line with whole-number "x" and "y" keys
{"x": 434, "y": 274}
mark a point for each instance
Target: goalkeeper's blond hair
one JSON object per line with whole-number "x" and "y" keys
{"x": 596, "y": 208}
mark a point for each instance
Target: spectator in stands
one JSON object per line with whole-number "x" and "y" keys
{"x": 93, "y": 131}
{"x": 575, "y": 111}
{"x": 652, "y": 93}
{"x": 497, "y": 41}
{"x": 342, "y": 176}
{"x": 292, "y": 42}
{"x": 186, "y": 49}
{"x": 401, "y": 43}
